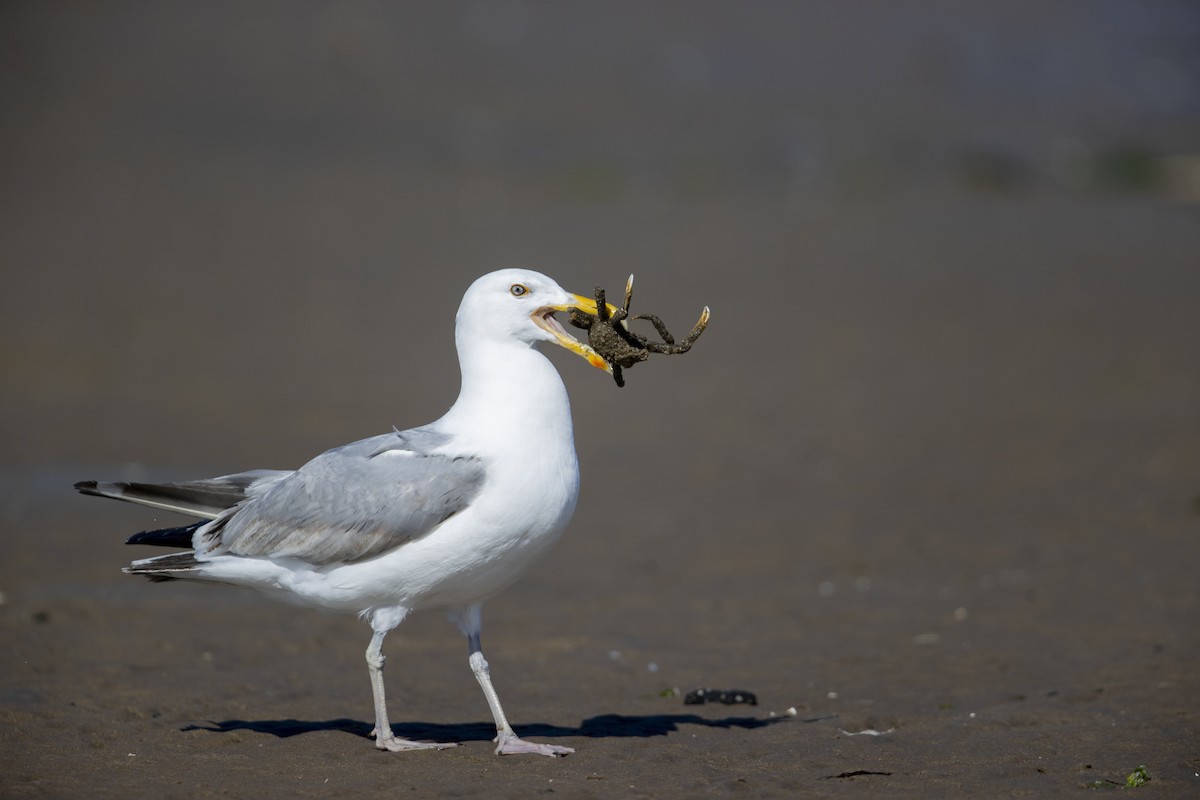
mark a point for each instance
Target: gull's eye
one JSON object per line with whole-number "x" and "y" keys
{"x": 518, "y": 289}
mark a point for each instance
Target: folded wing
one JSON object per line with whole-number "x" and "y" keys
{"x": 351, "y": 503}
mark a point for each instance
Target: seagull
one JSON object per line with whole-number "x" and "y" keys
{"x": 443, "y": 516}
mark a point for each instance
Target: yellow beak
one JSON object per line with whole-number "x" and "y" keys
{"x": 544, "y": 319}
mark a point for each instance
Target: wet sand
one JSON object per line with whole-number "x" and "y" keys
{"x": 931, "y": 472}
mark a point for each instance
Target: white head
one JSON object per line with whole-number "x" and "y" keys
{"x": 518, "y": 306}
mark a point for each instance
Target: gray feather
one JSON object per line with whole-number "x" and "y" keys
{"x": 422, "y": 441}
{"x": 164, "y": 568}
{"x": 200, "y": 498}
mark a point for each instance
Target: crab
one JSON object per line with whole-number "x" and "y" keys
{"x": 610, "y": 336}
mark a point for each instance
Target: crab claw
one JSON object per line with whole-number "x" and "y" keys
{"x": 700, "y": 325}
{"x": 628, "y": 299}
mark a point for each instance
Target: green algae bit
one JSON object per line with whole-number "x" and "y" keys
{"x": 1138, "y": 777}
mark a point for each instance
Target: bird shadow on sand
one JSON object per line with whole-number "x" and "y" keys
{"x": 600, "y": 727}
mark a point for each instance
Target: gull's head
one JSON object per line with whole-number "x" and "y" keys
{"x": 519, "y": 305}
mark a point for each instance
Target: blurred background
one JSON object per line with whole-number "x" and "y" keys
{"x": 952, "y": 252}
{"x": 239, "y": 232}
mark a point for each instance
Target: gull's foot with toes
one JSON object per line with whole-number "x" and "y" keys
{"x": 508, "y": 744}
{"x": 397, "y": 744}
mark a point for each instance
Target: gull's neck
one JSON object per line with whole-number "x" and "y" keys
{"x": 510, "y": 393}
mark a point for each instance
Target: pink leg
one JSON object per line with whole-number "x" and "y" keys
{"x": 384, "y": 738}
{"x": 507, "y": 741}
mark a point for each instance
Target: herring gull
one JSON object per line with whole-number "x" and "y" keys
{"x": 441, "y": 516}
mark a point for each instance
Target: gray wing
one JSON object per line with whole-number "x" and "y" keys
{"x": 353, "y": 502}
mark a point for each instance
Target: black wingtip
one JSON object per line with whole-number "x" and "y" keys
{"x": 167, "y": 537}
{"x": 87, "y": 487}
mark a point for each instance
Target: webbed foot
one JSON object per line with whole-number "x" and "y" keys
{"x": 397, "y": 744}
{"x": 508, "y": 744}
